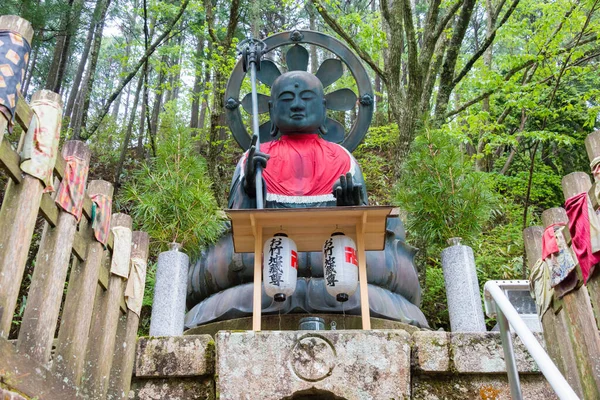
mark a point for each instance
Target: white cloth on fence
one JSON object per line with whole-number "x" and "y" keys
{"x": 121, "y": 251}
{"x": 134, "y": 292}
{"x": 539, "y": 287}
{"x": 594, "y": 227}
{"x": 40, "y": 147}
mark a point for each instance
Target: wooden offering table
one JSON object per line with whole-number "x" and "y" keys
{"x": 309, "y": 228}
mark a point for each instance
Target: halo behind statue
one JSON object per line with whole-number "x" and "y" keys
{"x": 328, "y": 72}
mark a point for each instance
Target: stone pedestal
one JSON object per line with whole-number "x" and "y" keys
{"x": 281, "y": 364}
{"x": 462, "y": 288}
{"x": 168, "y": 305}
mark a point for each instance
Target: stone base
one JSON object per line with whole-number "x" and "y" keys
{"x": 477, "y": 387}
{"x": 347, "y": 364}
{"x": 332, "y": 365}
{"x": 173, "y": 389}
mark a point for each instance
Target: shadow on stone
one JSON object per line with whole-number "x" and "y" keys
{"x": 313, "y": 394}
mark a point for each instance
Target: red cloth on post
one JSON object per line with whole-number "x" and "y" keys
{"x": 549, "y": 245}
{"x": 579, "y": 226}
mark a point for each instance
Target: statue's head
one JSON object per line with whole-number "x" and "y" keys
{"x": 297, "y": 104}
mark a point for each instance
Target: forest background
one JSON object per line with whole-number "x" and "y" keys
{"x": 481, "y": 106}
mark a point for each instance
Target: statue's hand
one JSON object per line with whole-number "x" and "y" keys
{"x": 255, "y": 158}
{"x": 347, "y": 192}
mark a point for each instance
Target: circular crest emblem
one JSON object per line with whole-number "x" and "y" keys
{"x": 313, "y": 358}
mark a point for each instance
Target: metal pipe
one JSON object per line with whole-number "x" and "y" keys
{"x": 560, "y": 385}
{"x": 509, "y": 357}
{"x": 255, "y": 130}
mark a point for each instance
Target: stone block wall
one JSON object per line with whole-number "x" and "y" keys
{"x": 175, "y": 367}
{"x": 352, "y": 364}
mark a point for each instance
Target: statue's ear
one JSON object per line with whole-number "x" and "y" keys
{"x": 323, "y": 128}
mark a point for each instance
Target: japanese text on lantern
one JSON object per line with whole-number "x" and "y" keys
{"x": 275, "y": 262}
{"x": 329, "y": 263}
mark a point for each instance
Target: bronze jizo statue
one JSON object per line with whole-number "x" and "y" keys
{"x": 301, "y": 168}
{"x": 306, "y": 162}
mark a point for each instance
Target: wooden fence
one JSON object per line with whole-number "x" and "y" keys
{"x": 571, "y": 325}
{"x": 94, "y": 352}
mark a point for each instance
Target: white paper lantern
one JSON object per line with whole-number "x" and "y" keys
{"x": 280, "y": 266}
{"x": 340, "y": 266}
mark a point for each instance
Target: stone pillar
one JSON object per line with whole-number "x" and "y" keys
{"x": 168, "y": 305}
{"x": 462, "y": 288}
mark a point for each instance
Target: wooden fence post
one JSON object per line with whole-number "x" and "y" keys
{"x": 592, "y": 145}
{"x": 22, "y": 27}
{"x": 47, "y": 283}
{"x": 77, "y": 311}
{"x": 101, "y": 344}
{"x": 555, "y": 321}
{"x": 122, "y": 367}
{"x": 532, "y": 239}
{"x": 578, "y": 309}
{"x": 17, "y": 219}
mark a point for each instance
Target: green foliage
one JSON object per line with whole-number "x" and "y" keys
{"x": 442, "y": 195}
{"x": 434, "y": 298}
{"x": 171, "y": 194}
{"x": 374, "y": 156}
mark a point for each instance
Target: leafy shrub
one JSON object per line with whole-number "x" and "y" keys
{"x": 171, "y": 194}
{"x": 441, "y": 193}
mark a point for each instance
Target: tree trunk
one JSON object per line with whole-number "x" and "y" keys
{"x": 198, "y": 86}
{"x": 447, "y": 75}
{"x": 144, "y": 110}
{"x": 32, "y": 64}
{"x": 84, "y": 56}
{"x": 482, "y": 161}
{"x": 128, "y": 132}
{"x": 91, "y": 72}
{"x": 204, "y": 105}
{"x": 52, "y": 81}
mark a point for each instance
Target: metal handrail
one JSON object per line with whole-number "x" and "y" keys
{"x": 506, "y": 312}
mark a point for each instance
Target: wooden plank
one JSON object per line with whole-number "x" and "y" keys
{"x": 48, "y": 280}
{"x": 554, "y": 328}
{"x": 100, "y": 348}
{"x": 567, "y": 353}
{"x": 120, "y": 374}
{"x": 3, "y": 125}
{"x": 257, "y": 288}
{"x": 592, "y": 146}
{"x": 79, "y": 246}
{"x": 583, "y": 333}
{"x": 24, "y": 113}
{"x": 10, "y": 161}
{"x": 17, "y": 24}
{"x": 30, "y": 377}
{"x": 365, "y": 311}
{"x": 585, "y": 340}
{"x": 49, "y": 210}
{"x": 309, "y": 227}
{"x": 24, "y": 28}
{"x": 17, "y": 219}
{"x": 78, "y": 307}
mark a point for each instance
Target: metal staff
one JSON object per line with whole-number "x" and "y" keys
{"x": 252, "y": 50}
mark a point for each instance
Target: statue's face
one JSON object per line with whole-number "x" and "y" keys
{"x": 297, "y": 103}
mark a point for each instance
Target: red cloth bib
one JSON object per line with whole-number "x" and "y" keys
{"x": 304, "y": 165}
